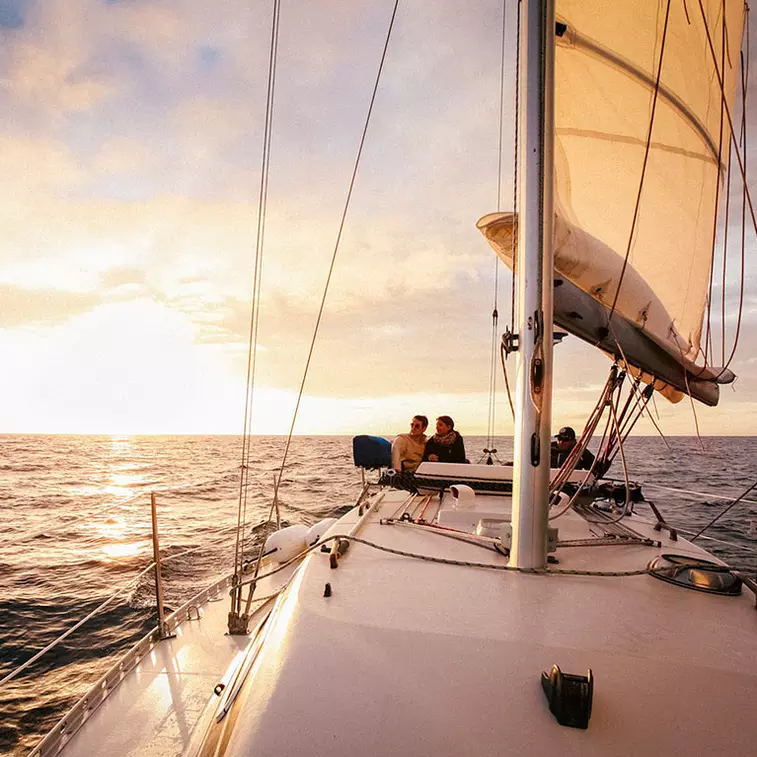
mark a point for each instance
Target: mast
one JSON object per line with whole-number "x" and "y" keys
{"x": 535, "y": 284}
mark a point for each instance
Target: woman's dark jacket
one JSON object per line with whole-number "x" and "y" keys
{"x": 447, "y": 453}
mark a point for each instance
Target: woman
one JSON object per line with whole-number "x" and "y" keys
{"x": 446, "y": 445}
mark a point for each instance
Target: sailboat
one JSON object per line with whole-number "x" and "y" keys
{"x": 522, "y": 619}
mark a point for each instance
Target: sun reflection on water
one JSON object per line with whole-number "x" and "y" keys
{"x": 116, "y": 538}
{"x": 124, "y": 549}
{"x": 121, "y": 479}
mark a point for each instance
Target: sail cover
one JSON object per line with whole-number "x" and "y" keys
{"x": 606, "y": 61}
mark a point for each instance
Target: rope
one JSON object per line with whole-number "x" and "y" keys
{"x": 29, "y": 535}
{"x": 644, "y": 164}
{"x": 644, "y": 407}
{"x": 746, "y": 547}
{"x": 463, "y": 536}
{"x": 500, "y": 151}
{"x": 212, "y": 543}
{"x": 330, "y": 271}
{"x": 699, "y": 494}
{"x": 726, "y": 214}
{"x": 73, "y": 521}
{"x": 625, "y": 476}
{"x": 507, "y": 382}
{"x": 257, "y": 276}
{"x": 491, "y": 417}
{"x": 708, "y": 352}
{"x": 67, "y": 633}
{"x": 718, "y": 517}
{"x": 570, "y": 463}
{"x": 744, "y": 87}
{"x": 447, "y": 561}
{"x": 515, "y": 173}
{"x": 593, "y": 420}
{"x": 737, "y": 153}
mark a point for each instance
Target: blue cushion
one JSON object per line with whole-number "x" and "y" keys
{"x": 371, "y": 452}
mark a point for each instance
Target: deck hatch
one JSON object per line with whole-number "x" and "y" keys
{"x": 695, "y": 573}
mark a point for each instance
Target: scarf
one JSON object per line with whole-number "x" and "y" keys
{"x": 446, "y": 440}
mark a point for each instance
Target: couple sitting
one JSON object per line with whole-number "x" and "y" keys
{"x": 445, "y": 446}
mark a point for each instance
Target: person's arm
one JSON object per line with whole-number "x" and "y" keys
{"x": 554, "y": 456}
{"x": 587, "y": 460}
{"x": 428, "y": 450}
{"x": 457, "y": 453}
{"x": 397, "y": 454}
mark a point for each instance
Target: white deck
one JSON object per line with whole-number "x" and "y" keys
{"x": 412, "y": 657}
{"x": 420, "y": 658}
{"x": 161, "y": 707}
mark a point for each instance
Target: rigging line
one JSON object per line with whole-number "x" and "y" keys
{"x": 260, "y": 272}
{"x": 629, "y": 416}
{"x": 726, "y": 214}
{"x": 495, "y": 313}
{"x": 590, "y": 426}
{"x": 492, "y": 373}
{"x": 691, "y": 402}
{"x": 657, "y": 413}
{"x": 646, "y": 396}
{"x": 732, "y": 544}
{"x": 630, "y": 373}
{"x": 644, "y": 164}
{"x": 211, "y": 543}
{"x": 615, "y": 438}
{"x": 737, "y": 152}
{"x": 501, "y": 108}
{"x": 718, "y": 517}
{"x": 507, "y": 382}
{"x": 491, "y": 419}
{"x": 744, "y": 82}
{"x": 625, "y": 476}
{"x": 80, "y": 623}
{"x": 516, "y": 120}
{"x": 63, "y": 526}
{"x": 707, "y": 495}
{"x": 572, "y": 499}
{"x": 622, "y": 375}
{"x": 448, "y": 561}
{"x": 254, "y": 314}
{"x": 716, "y": 206}
{"x": 331, "y": 267}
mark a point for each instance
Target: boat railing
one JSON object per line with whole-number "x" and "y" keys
{"x": 65, "y": 728}
{"x": 166, "y": 623}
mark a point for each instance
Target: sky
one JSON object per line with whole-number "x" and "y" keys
{"x": 130, "y": 155}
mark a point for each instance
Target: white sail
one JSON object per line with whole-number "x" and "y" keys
{"x": 606, "y": 68}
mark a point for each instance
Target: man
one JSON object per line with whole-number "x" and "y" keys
{"x": 561, "y": 448}
{"x": 407, "y": 449}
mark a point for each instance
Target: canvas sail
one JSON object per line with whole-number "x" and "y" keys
{"x": 607, "y": 57}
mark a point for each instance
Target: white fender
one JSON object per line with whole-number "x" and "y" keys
{"x": 286, "y": 543}
{"x": 318, "y": 530}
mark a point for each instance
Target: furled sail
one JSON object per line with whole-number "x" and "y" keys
{"x": 607, "y": 59}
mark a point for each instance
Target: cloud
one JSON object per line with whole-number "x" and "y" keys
{"x": 131, "y": 161}
{"x": 25, "y": 306}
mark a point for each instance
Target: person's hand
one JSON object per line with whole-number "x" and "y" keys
{"x": 433, "y": 458}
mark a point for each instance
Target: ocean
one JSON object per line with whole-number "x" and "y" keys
{"x": 76, "y": 527}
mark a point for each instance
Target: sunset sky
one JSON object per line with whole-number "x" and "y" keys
{"x": 130, "y": 163}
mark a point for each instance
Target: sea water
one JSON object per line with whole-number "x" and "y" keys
{"x": 76, "y": 527}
